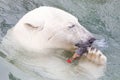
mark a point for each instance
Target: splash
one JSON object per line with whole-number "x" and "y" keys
{"x": 101, "y": 44}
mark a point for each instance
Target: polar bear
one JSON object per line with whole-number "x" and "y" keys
{"x": 44, "y": 38}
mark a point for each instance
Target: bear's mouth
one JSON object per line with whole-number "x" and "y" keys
{"x": 85, "y": 45}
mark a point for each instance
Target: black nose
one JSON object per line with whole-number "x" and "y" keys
{"x": 78, "y": 44}
{"x": 86, "y": 44}
{"x": 91, "y": 40}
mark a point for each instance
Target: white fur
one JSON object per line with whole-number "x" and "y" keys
{"x": 39, "y": 41}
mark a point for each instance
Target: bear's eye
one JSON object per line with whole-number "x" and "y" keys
{"x": 71, "y": 26}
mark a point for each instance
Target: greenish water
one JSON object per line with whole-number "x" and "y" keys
{"x": 101, "y": 17}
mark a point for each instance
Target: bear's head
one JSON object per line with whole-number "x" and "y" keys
{"x": 48, "y": 27}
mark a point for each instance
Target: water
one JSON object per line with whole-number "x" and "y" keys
{"x": 101, "y": 17}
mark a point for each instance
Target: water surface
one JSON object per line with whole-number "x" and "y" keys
{"x": 101, "y": 17}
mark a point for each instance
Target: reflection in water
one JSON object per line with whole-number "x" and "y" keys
{"x": 101, "y": 17}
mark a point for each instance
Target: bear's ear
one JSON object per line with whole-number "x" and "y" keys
{"x": 33, "y": 27}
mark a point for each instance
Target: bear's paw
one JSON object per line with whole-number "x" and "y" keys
{"x": 96, "y": 56}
